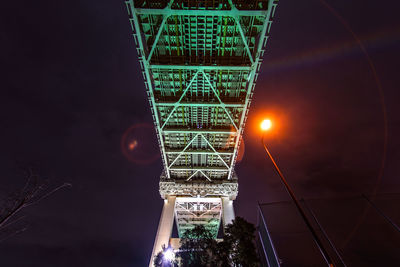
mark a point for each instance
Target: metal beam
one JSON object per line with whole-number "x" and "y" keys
{"x": 190, "y": 177}
{"x": 157, "y": 38}
{"x": 203, "y": 168}
{"x": 198, "y": 199}
{"x": 187, "y": 12}
{"x": 205, "y": 216}
{"x": 271, "y": 3}
{"x": 237, "y": 20}
{"x": 208, "y": 178}
{"x": 180, "y": 99}
{"x": 246, "y": 45}
{"x": 220, "y": 101}
{"x": 219, "y": 156}
{"x": 198, "y": 104}
{"x": 199, "y": 152}
{"x": 186, "y": 147}
{"x": 200, "y": 130}
{"x": 201, "y": 68}
{"x": 149, "y": 83}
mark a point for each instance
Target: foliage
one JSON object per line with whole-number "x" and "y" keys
{"x": 199, "y": 248}
{"x": 239, "y": 243}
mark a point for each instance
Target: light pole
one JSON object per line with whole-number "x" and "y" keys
{"x": 265, "y": 126}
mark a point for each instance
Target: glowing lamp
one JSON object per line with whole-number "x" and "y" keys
{"x": 169, "y": 255}
{"x": 266, "y": 125}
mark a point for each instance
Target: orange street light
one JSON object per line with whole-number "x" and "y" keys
{"x": 266, "y": 125}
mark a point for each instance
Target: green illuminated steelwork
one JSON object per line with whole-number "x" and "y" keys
{"x": 200, "y": 61}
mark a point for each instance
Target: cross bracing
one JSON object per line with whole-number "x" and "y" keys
{"x": 201, "y": 69}
{"x": 195, "y": 211}
{"x": 200, "y": 61}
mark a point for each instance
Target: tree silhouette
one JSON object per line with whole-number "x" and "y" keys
{"x": 199, "y": 248}
{"x": 34, "y": 190}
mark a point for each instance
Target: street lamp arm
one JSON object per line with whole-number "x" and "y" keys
{"x": 299, "y": 208}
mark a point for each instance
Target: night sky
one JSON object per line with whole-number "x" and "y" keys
{"x": 72, "y": 89}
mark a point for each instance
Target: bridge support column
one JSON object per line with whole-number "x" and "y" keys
{"x": 164, "y": 227}
{"x": 228, "y": 214}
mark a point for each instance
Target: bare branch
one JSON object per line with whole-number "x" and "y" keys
{"x": 13, "y": 234}
{"x": 32, "y": 192}
{"x": 10, "y": 223}
{"x": 48, "y": 194}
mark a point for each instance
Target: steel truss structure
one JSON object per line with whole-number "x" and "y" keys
{"x": 200, "y": 61}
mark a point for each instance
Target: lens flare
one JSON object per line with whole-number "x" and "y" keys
{"x": 139, "y": 145}
{"x": 132, "y": 145}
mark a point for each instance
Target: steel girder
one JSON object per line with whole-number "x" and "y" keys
{"x": 200, "y": 61}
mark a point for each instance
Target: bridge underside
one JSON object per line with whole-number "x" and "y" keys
{"x": 200, "y": 60}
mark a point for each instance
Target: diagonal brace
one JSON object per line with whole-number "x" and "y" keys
{"x": 157, "y": 38}
{"x": 220, "y": 101}
{"x": 244, "y": 39}
{"x": 190, "y": 177}
{"x": 215, "y": 151}
{"x": 186, "y": 147}
{"x": 180, "y": 99}
{"x": 208, "y": 178}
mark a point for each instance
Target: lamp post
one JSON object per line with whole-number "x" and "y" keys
{"x": 265, "y": 126}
